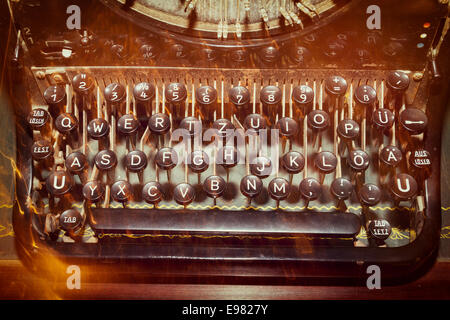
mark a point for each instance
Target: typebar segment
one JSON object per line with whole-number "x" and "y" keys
{"x": 138, "y": 221}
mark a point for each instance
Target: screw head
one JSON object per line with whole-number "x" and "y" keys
{"x": 417, "y": 76}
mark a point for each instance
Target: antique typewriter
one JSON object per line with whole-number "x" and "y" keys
{"x": 230, "y": 138}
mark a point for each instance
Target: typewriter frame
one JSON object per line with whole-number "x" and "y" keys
{"x": 188, "y": 262}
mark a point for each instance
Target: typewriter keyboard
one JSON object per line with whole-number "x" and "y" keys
{"x": 152, "y": 152}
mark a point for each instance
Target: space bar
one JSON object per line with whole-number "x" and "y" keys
{"x": 140, "y": 221}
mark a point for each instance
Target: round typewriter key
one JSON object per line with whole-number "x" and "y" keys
{"x": 303, "y": 97}
{"x": 152, "y": 192}
{"x": 175, "y": 92}
{"x": 206, "y": 95}
{"x": 404, "y": 187}
{"x": 159, "y": 123}
{"x": 224, "y": 127}
{"x": 178, "y": 51}
{"x": 287, "y": 126}
{"x": 325, "y": 161}
{"x": 413, "y": 120}
{"x": 166, "y": 158}
{"x": 66, "y": 123}
{"x": 192, "y": 125}
{"x": 93, "y": 191}
{"x": 300, "y": 55}
{"x": 251, "y": 186}
{"x": 318, "y": 120}
{"x": 115, "y": 93}
{"x": 348, "y": 129}
{"x": 341, "y": 188}
{"x": 41, "y": 150}
{"x": 82, "y": 84}
{"x": 121, "y": 191}
{"x": 279, "y": 189}
{"x": 144, "y": 92}
{"x": 98, "y": 128}
{"x": 208, "y": 55}
{"x": 198, "y": 161}
{"x": 270, "y": 97}
{"x": 420, "y": 161}
{"x": 239, "y": 57}
{"x": 358, "y": 160}
{"x": 214, "y": 186}
{"x": 105, "y": 160}
{"x": 379, "y": 229}
{"x": 335, "y": 86}
{"x": 76, "y": 162}
{"x": 293, "y": 162}
{"x": 365, "y": 95}
{"x": 55, "y": 95}
{"x": 261, "y": 167}
{"x": 38, "y": 118}
{"x": 239, "y": 96}
{"x": 128, "y": 124}
{"x": 136, "y": 161}
{"x": 383, "y": 118}
{"x": 184, "y": 193}
{"x": 310, "y": 189}
{"x": 70, "y": 220}
{"x": 269, "y": 55}
{"x": 391, "y": 156}
{"x": 227, "y": 156}
{"x": 254, "y": 122}
{"x": 370, "y": 194}
{"x": 397, "y": 81}
{"x": 59, "y": 183}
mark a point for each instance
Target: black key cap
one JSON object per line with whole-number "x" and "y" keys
{"x": 59, "y": 183}
{"x": 303, "y": 97}
{"x": 128, "y": 124}
{"x": 261, "y": 167}
{"x": 325, "y": 161}
{"x": 279, "y": 189}
{"x": 358, "y": 160}
{"x": 335, "y": 86}
{"x": 115, "y": 94}
{"x": 251, "y": 186}
{"x": 318, "y": 120}
{"x": 270, "y": 97}
{"x": 413, "y": 120}
{"x": 55, "y": 96}
{"x": 404, "y": 187}
{"x": 70, "y": 220}
{"x": 370, "y": 194}
{"x": 144, "y": 93}
{"x": 93, "y": 191}
{"x": 66, "y": 123}
{"x": 83, "y": 84}
{"x": 287, "y": 126}
{"x": 391, "y": 156}
{"x": 184, "y": 194}
{"x": 365, "y": 96}
{"x": 227, "y": 156}
{"x": 383, "y": 119}
{"x": 38, "y": 119}
{"x": 76, "y": 162}
{"x": 397, "y": 82}
{"x": 214, "y": 186}
{"x": 166, "y": 158}
{"x": 341, "y": 188}
{"x": 293, "y": 162}
{"x": 240, "y": 98}
{"x": 254, "y": 122}
{"x": 136, "y": 161}
{"x": 152, "y": 192}
{"x": 121, "y": 191}
{"x": 98, "y": 128}
{"x": 105, "y": 160}
{"x": 198, "y": 161}
{"x": 310, "y": 189}
{"x": 159, "y": 123}
{"x": 206, "y": 97}
{"x": 379, "y": 229}
{"x": 41, "y": 150}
